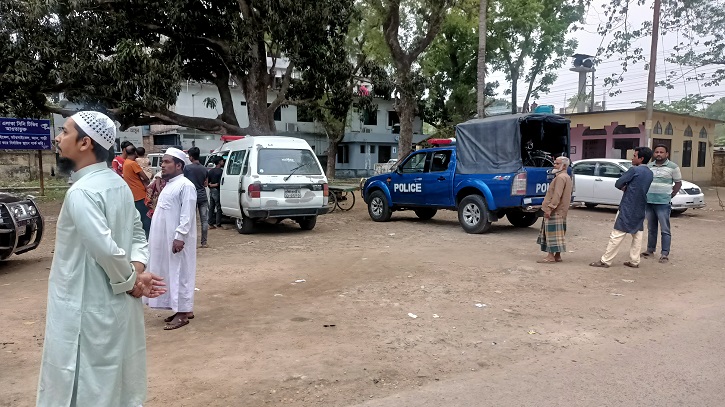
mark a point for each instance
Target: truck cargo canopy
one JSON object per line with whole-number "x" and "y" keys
{"x": 496, "y": 144}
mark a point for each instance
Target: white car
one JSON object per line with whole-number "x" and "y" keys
{"x": 272, "y": 177}
{"x": 594, "y": 180}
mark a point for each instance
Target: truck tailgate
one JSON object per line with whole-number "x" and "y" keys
{"x": 537, "y": 182}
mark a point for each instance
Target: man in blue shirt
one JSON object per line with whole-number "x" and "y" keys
{"x": 630, "y": 219}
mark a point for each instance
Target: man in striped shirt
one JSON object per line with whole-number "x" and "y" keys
{"x": 665, "y": 185}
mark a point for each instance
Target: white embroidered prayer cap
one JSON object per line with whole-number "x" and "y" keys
{"x": 98, "y": 126}
{"x": 175, "y": 152}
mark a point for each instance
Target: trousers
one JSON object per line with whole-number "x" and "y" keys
{"x": 658, "y": 216}
{"x": 145, "y": 220}
{"x": 616, "y": 239}
{"x": 203, "y": 208}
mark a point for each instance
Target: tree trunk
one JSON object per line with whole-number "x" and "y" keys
{"x": 331, "y": 157}
{"x": 254, "y": 85}
{"x": 225, "y": 95}
{"x": 481, "y": 100}
{"x": 514, "y": 89}
{"x": 406, "y": 113}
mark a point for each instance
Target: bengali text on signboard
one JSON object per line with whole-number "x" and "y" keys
{"x": 24, "y": 134}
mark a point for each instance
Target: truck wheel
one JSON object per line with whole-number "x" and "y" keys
{"x": 473, "y": 214}
{"x": 425, "y": 213}
{"x": 521, "y": 219}
{"x": 307, "y": 223}
{"x": 244, "y": 225}
{"x": 378, "y": 208}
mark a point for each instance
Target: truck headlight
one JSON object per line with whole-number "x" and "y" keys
{"x": 32, "y": 211}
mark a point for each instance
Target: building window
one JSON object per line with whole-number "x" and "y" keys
{"x": 688, "y": 131}
{"x": 701, "y": 153}
{"x": 703, "y": 133}
{"x": 657, "y": 129}
{"x": 277, "y": 113}
{"x": 372, "y": 149}
{"x": 343, "y": 154}
{"x": 384, "y": 154}
{"x": 687, "y": 153}
{"x": 594, "y": 132}
{"x": 362, "y": 149}
{"x": 370, "y": 117}
{"x": 305, "y": 114}
{"x": 668, "y": 129}
{"x": 393, "y": 118}
{"x": 167, "y": 140}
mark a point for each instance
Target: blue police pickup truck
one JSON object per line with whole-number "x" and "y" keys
{"x": 498, "y": 166}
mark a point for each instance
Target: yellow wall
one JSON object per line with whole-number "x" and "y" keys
{"x": 679, "y": 124}
{"x": 636, "y": 117}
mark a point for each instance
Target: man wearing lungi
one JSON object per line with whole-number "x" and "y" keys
{"x": 555, "y": 207}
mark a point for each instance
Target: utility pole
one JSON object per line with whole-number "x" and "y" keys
{"x": 481, "y": 85}
{"x": 652, "y": 71}
{"x": 591, "y": 106}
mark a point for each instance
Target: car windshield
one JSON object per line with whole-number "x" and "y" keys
{"x": 282, "y": 161}
{"x": 626, "y": 164}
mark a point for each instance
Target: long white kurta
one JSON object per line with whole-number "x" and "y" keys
{"x": 94, "y": 352}
{"x": 174, "y": 218}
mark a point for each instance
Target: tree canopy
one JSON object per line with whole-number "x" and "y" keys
{"x": 698, "y": 26}
{"x": 130, "y": 57}
{"x": 528, "y": 39}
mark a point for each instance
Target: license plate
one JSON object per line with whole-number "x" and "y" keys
{"x": 292, "y": 193}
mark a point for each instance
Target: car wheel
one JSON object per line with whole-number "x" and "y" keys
{"x": 425, "y": 213}
{"x": 378, "y": 208}
{"x": 521, "y": 219}
{"x": 473, "y": 214}
{"x": 244, "y": 225}
{"x": 590, "y": 204}
{"x": 677, "y": 212}
{"x": 307, "y": 223}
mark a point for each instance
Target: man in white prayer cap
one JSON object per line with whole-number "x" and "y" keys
{"x": 172, "y": 241}
{"x": 94, "y": 352}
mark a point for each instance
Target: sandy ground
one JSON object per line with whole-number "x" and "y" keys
{"x": 562, "y": 334}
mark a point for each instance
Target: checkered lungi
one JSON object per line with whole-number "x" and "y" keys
{"x": 551, "y": 235}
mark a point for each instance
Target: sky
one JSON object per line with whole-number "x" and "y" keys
{"x": 634, "y": 87}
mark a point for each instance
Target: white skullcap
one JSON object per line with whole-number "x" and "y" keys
{"x": 97, "y": 126}
{"x": 175, "y": 152}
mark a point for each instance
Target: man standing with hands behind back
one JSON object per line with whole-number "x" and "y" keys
{"x": 556, "y": 207}
{"x": 94, "y": 353}
{"x": 630, "y": 218}
{"x": 666, "y": 173}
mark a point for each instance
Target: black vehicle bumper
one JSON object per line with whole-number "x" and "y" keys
{"x": 20, "y": 237}
{"x": 286, "y": 213}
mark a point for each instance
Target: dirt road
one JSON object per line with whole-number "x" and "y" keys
{"x": 387, "y": 316}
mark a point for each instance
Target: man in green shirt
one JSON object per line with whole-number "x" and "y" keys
{"x": 666, "y": 174}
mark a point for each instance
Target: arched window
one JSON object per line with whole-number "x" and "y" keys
{"x": 668, "y": 129}
{"x": 703, "y": 133}
{"x": 688, "y": 131}
{"x": 657, "y": 129}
